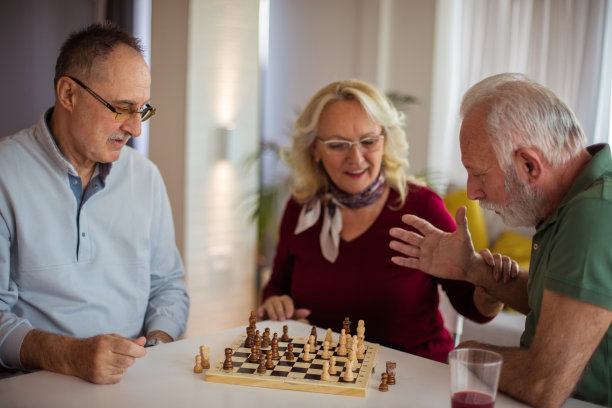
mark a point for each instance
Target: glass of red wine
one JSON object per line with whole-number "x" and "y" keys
{"x": 474, "y": 377}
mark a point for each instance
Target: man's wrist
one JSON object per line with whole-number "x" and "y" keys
{"x": 157, "y": 337}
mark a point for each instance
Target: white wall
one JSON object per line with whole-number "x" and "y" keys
{"x": 315, "y": 42}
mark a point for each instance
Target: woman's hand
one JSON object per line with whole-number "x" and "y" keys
{"x": 281, "y": 308}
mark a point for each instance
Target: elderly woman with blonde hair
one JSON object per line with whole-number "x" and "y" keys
{"x": 350, "y": 186}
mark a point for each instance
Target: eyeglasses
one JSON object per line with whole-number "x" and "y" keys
{"x": 121, "y": 115}
{"x": 343, "y": 147}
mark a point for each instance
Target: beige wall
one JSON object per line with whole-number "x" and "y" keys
{"x": 169, "y": 22}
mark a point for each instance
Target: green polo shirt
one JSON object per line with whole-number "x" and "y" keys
{"x": 571, "y": 255}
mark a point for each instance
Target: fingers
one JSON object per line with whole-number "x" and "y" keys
{"x": 503, "y": 267}
{"x": 301, "y": 313}
{"x": 419, "y": 224}
{"x": 405, "y": 262}
{"x": 278, "y": 307}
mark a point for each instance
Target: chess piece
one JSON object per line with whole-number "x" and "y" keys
{"x": 361, "y": 329}
{"x": 289, "y": 355}
{"x": 261, "y": 369}
{"x": 383, "y": 383}
{"x": 342, "y": 344}
{"x": 306, "y": 356}
{"x": 391, "y": 372}
{"x": 346, "y": 325}
{"x": 332, "y": 365}
{"x": 312, "y": 342}
{"x": 205, "y": 357}
{"x": 352, "y": 357}
{"x": 326, "y": 354}
{"x": 198, "y": 364}
{"x": 313, "y": 332}
{"x": 275, "y": 355}
{"x": 257, "y": 338}
{"x": 325, "y": 372}
{"x": 227, "y": 364}
{"x": 348, "y": 371}
{"x": 360, "y": 348}
{"x": 250, "y": 338}
{"x": 269, "y": 362}
{"x": 265, "y": 342}
{"x": 328, "y": 337}
{"x": 285, "y": 336}
{"x": 255, "y": 352}
{"x": 252, "y": 320}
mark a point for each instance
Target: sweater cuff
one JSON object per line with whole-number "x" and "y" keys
{"x": 166, "y": 325}
{"x": 10, "y": 350}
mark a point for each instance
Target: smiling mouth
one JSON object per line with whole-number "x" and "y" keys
{"x": 356, "y": 173}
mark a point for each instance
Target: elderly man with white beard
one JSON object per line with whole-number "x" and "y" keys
{"x": 524, "y": 153}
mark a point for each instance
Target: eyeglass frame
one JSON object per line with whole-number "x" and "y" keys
{"x": 350, "y": 143}
{"x": 142, "y": 111}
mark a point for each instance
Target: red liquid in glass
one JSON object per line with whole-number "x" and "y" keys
{"x": 471, "y": 399}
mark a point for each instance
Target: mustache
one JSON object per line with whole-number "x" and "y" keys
{"x": 124, "y": 137}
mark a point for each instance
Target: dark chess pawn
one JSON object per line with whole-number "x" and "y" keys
{"x": 266, "y": 338}
{"x": 290, "y": 356}
{"x": 227, "y": 364}
{"x": 269, "y": 362}
{"x": 383, "y": 383}
{"x": 285, "y": 336}
{"x": 255, "y": 352}
{"x": 346, "y": 325}
{"x": 261, "y": 369}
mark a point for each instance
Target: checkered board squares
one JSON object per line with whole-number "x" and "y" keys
{"x": 298, "y": 374}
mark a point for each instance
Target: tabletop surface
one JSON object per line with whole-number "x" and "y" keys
{"x": 165, "y": 378}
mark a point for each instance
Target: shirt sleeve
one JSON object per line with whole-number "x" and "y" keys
{"x": 168, "y": 306}
{"x": 282, "y": 269}
{"x": 581, "y": 259}
{"x": 460, "y": 293}
{"x": 13, "y": 329}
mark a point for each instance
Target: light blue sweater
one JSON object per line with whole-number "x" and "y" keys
{"x": 110, "y": 266}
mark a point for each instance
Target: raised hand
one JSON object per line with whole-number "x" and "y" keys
{"x": 433, "y": 251}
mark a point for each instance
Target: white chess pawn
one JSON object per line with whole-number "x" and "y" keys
{"x": 306, "y": 356}
{"x": 328, "y": 337}
{"x": 325, "y": 373}
{"x": 311, "y": 341}
{"x": 332, "y": 365}
{"x": 326, "y": 354}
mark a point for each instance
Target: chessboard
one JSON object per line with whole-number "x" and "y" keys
{"x": 297, "y": 374}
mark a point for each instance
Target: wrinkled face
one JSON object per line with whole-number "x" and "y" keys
{"x": 516, "y": 201}
{"x": 94, "y": 135}
{"x": 347, "y": 120}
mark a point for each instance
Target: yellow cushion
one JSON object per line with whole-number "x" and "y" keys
{"x": 476, "y": 222}
{"x": 516, "y": 246}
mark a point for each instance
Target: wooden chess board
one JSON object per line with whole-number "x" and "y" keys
{"x": 297, "y": 374}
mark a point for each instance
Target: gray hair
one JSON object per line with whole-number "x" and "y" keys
{"x": 523, "y": 113}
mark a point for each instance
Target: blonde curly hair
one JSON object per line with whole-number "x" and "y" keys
{"x": 307, "y": 182}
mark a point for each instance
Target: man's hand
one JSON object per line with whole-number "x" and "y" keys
{"x": 100, "y": 359}
{"x": 281, "y": 308}
{"x": 433, "y": 251}
{"x": 504, "y": 267}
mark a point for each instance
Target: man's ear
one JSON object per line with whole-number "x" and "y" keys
{"x": 528, "y": 164}
{"x": 65, "y": 93}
